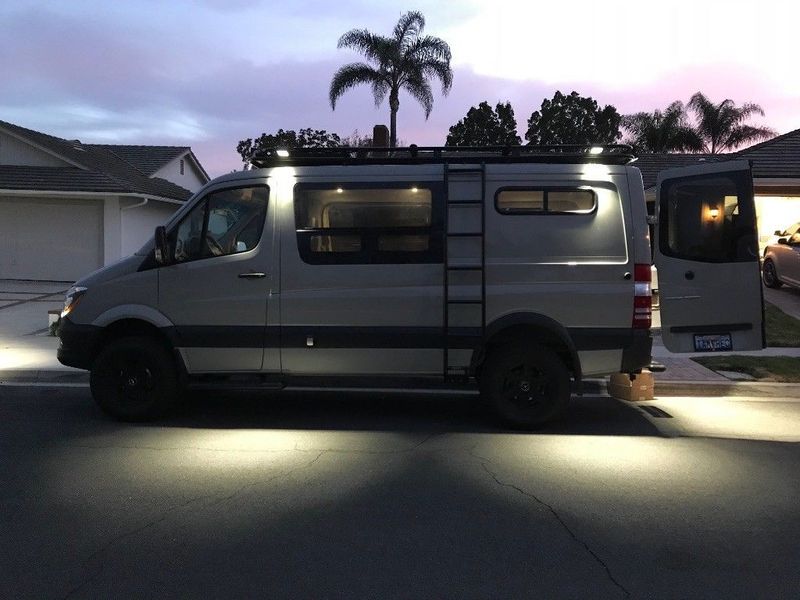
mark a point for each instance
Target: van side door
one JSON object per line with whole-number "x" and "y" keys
{"x": 361, "y": 276}
{"x": 706, "y": 253}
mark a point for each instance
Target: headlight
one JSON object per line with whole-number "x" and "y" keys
{"x": 74, "y": 295}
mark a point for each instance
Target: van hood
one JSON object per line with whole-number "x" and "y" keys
{"x": 125, "y": 266}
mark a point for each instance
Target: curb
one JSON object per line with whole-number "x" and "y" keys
{"x": 590, "y": 386}
{"x": 54, "y": 376}
{"x": 708, "y": 388}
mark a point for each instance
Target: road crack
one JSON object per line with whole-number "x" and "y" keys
{"x": 485, "y": 462}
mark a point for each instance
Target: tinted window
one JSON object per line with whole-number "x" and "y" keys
{"x": 700, "y": 218}
{"x": 558, "y": 201}
{"x": 340, "y": 223}
{"x": 224, "y": 222}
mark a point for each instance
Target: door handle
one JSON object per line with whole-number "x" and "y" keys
{"x": 252, "y": 275}
{"x": 689, "y": 275}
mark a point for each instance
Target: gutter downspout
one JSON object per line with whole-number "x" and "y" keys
{"x": 142, "y": 203}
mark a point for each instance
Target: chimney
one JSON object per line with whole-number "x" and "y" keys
{"x": 380, "y": 136}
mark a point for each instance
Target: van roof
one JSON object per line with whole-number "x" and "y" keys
{"x": 608, "y": 154}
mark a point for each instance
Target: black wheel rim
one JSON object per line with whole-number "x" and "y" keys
{"x": 133, "y": 378}
{"x": 769, "y": 273}
{"x": 526, "y": 387}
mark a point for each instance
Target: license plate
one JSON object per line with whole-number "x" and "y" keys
{"x": 717, "y": 342}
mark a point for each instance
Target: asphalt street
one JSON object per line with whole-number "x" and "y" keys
{"x": 374, "y": 496}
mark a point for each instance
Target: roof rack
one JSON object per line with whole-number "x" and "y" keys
{"x": 607, "y": 154}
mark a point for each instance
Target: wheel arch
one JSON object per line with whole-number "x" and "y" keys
{"x": 132, "y": 327}
{"x": 530, "y": 327}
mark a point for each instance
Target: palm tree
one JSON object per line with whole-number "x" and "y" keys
{"x": 722, "y": 126}
{"x": 406, "y": 60}
{"x": 667, "y": 131}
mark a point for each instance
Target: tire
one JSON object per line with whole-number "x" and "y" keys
{"x": 134, "y": 379}
{"x": 526, "y": 386}
{"x": 770, "y": 275}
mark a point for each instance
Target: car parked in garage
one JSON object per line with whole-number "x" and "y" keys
{"x": 781, "y": 263}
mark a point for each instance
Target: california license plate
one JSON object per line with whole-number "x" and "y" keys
{"x": 716, "y": 342}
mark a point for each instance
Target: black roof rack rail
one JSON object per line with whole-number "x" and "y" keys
{"x": 606, "y": 154}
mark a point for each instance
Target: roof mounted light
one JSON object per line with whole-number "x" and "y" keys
{"x": 282, "y": 153}
{"x": 596, "y": 150}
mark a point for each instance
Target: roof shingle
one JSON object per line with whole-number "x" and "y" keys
{"x": 96, "y": 166}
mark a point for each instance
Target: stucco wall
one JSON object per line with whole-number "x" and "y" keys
{"x": 192, "y": 179}
{"x": 137, "y": 224}
{"x": 16, "y": 152}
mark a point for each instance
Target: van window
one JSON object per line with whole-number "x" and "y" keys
{"x": 511, "y": 201}
{"x": 358, "y": 223}
{"x": 699, "y": 220}
{"x": 224, "y": 222}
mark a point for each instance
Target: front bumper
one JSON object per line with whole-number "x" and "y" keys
{"x": 78, "y": 344}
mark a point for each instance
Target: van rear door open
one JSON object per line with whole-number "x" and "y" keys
{"x": 706, "y": 253}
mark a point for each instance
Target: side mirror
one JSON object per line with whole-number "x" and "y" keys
{"x": 161, "y": 245}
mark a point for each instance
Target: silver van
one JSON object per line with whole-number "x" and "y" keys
{"x": 520, "y": 271}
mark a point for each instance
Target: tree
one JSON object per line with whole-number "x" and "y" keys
{"x": 573, "y": 119}
{"x": 356, "y": 140}
{"x": 484, "y": 126}
{"x": 305, "y": 138}
{"x": 405, "y": 60}
{"x": 722, "y": 126}
{"x": 667, "y": 131}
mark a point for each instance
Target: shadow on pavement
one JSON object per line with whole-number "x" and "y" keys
{"x": 589, "y": 415}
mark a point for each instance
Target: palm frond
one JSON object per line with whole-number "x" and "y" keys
{"x": 372, "y": 46}
{"x": 421, "y": 91}
{"x": 408, "y": 27}
{"x": 351, "y": 75}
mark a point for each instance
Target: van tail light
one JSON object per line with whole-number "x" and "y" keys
{"x": 642, "y": 297}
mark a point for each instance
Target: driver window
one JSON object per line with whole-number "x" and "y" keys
{"x": 225, "y": 222}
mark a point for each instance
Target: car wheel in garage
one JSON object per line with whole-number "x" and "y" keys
{"x": 770, "y": 275}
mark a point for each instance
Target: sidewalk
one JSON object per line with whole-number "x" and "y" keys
{"x": 28, "y": 353}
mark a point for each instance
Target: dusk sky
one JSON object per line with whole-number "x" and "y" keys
{"x": 208, "y": 73}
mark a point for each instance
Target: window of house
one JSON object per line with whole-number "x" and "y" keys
{"x": 511, "y": 201}
{"x": 181, "y": 166}
{"x": 224, "y": 222}
{"x": 358, "y": 223}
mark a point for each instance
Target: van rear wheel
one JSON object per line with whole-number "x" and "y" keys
{"x": 134, "y": 379}
{"x": 526, "y": 386}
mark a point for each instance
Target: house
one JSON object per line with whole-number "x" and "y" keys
{"x": 776, "y": 178}
{"x": 68, "y": 208}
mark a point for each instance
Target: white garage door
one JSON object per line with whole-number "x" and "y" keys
{"x": 56, "y": 239}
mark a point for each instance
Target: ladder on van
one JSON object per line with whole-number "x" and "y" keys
{"x": 464, "y": 302}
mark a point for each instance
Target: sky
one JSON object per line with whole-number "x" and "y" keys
{"x": 208, "y": 73}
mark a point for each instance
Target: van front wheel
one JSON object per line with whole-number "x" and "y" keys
{"x": 134, "y": 379}
{"x": 526, "y": 386}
